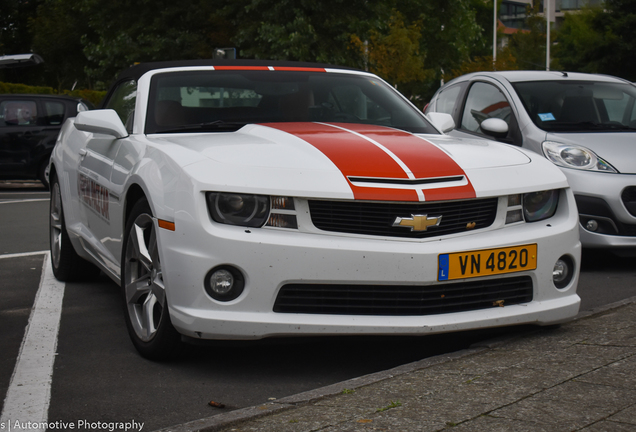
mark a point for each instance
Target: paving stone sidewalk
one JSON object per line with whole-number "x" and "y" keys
{"x": 580, "y": 376}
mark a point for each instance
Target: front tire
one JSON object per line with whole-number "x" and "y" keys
{"x": 66, "y": 263}
{"x": 143, "y": 289}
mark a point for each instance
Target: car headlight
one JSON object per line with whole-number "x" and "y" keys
{"x": 541, "y": 205}
{"x": 575, "y": 156}
{"x": 238, "y": 209}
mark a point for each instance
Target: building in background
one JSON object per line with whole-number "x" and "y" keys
{"x": 512, "y": 14}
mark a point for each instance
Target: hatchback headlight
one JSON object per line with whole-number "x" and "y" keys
{"x": 575, "y": 156}
{"x": 238, "y": 209}
{"x": 541, "y": 205}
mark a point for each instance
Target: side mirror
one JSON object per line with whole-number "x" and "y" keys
{"x": 442, "y": 121}
{"x": 105, "y": 121}
{"x": 494, "y": 127}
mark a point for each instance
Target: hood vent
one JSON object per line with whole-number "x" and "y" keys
{"x": 409, "y": 182}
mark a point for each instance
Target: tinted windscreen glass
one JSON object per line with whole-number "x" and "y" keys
{"x": 222, "y": 100}
{"x": 579, "y": 106}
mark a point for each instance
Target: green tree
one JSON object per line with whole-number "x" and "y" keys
{"x": 304, "y": 30}
{"x": 123, "y": 32}
{"x": 396, "y": 54}
{"x": 14, "y": 19}
{"x": 57, "y": 30}
{"x": 482, "y": 43}
{"x": 579, "y": 43}
{"x": 505, "y": 61}
{"x": 528, "y": 47}
{"x": 619, "y": 27}
{"x": 600, "y": 40}
{"x": 15, "y": 37}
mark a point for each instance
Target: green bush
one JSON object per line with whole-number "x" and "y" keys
{"x": 90, "y": 95}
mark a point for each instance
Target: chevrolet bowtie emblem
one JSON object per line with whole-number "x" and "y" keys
{"x": 417, "y": 222}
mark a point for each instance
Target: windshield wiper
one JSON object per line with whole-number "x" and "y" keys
{"x": 589, "y": 125}
{"x": 216, "y": 125}
{"x": 615, "y": 126}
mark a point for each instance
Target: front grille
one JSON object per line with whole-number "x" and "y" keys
{"x": 374, "y": 218}
{"x": 396, "y": 300}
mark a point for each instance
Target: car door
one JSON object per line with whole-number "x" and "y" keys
{"x": 485, "y": 100}
{"x": 95, "y": 186}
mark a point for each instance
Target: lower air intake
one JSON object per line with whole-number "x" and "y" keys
{"x": 399, "y": 300}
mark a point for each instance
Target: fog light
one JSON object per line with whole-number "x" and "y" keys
{"x": 221, "y": 282}
{"x": 591, "y": 225}
{"x": 563, "y": 272}
{"x": 224, "y": 283}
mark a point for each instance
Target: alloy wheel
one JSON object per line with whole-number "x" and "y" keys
{"x": 144, "y": 287}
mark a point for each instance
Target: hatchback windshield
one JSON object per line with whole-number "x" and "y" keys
{"x": 579, "y": 106}
{"x": 227, "y": 100}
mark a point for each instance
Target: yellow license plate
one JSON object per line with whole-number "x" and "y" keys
{"x": 462, "y": 265}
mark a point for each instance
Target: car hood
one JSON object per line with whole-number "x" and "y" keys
{"x": 351, "y": 161}
{"x": 616, "y": 148}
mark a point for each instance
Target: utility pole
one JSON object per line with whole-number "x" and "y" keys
{"x": 494, "y": 34}
{"x": 546, "y": 7}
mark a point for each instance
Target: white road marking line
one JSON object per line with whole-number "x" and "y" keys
{"x": 24, "y": 200}
{"x": 29, "y": 392}
{"x": 25, "y": 254}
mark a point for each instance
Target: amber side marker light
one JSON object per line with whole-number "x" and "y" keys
{"x": 166, "y": 225}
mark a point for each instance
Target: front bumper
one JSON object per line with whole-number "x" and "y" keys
{"x": 271, "y": 258}
{"x": 599, "y": 196}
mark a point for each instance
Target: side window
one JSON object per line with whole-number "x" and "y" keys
{"x": 447, "y": 99}
{"x": 53, "y": 113}
{"x": 123, "y": 101}
{"x": 18, "y": 113}
{"x": 484, "y": 101}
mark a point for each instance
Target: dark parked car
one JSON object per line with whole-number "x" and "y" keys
{"x": 29, "y": 125}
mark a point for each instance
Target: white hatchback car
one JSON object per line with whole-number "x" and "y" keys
{"x": 247, "y": 199}
{"x": 585, "y": 124}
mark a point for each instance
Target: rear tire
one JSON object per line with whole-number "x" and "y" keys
{"x": 42, "y": 174}
{"x": 143, "y": 289}
{"x": 66, "y": 263}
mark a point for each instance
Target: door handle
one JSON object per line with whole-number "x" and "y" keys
{"x": 82, "y": 153}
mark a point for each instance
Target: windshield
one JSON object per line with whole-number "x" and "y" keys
{"x": 579, "y": 106}
{"x": 227, "y": 100}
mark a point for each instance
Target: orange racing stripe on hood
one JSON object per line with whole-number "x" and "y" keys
{"x": 423, "y": 158}
{"x": 379, "y": 152}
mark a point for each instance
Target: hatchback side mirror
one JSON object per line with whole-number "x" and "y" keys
{"x": 494, "y": 127}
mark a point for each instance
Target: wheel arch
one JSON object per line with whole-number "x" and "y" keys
{"x": 52, "y": 170}
{"x": 133, "y": 195}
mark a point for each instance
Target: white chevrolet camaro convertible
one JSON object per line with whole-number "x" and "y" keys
{"x": 252, "y": 199}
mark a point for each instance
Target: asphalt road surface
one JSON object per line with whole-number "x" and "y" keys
{"x": 95, "y": 375}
